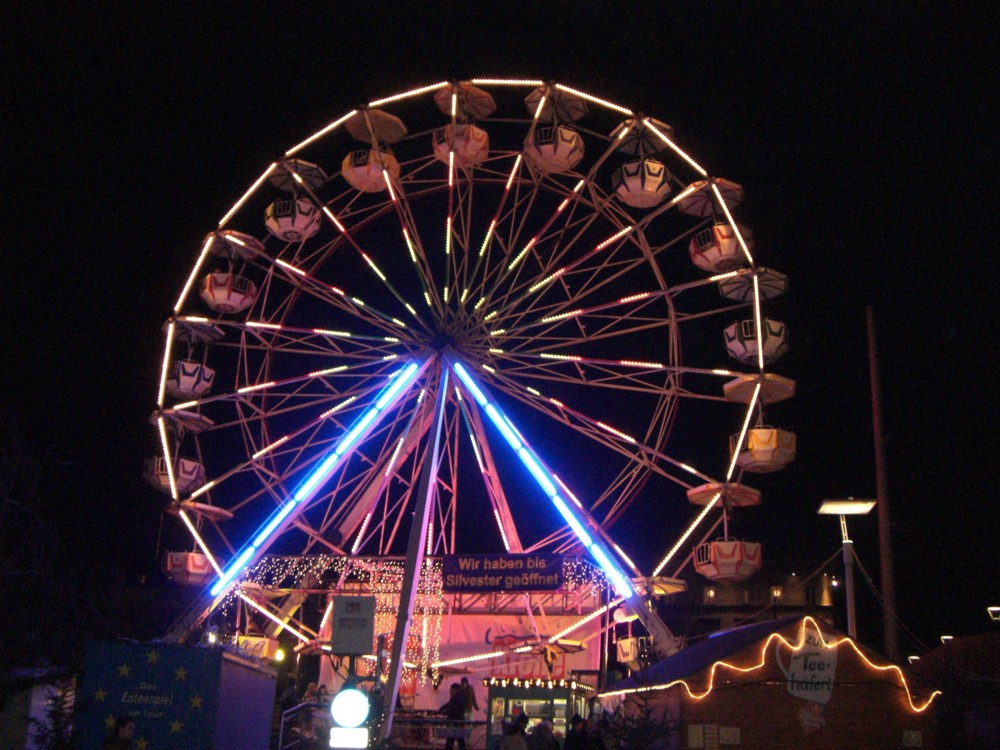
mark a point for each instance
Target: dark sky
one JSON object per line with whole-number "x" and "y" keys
{"x": 863, "y": 133}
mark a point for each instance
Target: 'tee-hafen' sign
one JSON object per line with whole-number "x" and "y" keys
{"x": 531, "y": 572}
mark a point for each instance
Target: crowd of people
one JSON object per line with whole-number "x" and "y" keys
{"x": 582, "y": 735}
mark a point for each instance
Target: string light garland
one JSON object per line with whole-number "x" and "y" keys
{"x": 914, "y": 705}
{"x": 383, "y": 579}
{"x": 536, "y": 683}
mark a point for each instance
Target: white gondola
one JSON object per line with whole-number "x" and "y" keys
{"x": 730, "y": 494}
{"x": 772, "y": 388}
{"x": 700, "y": 200}
{"x": 183, "y": 420}
{"x": 717, "y": 249}
{"x": 727, "y": 559}
{"x": 228, "y": 292}
{"x": 189, "y": 475}
{"x": 643, "y": 183}
{"x": 292, "y": 220}
{"x": 363, "y": 169}
{"x": 554, "y": 149}
{"x": 291, "y": 174}
{"x": 232, "y": 244}
{"x": 188, "y": 568}
{"x": 741, "y": 341}
{"x": 765, "y": 450}
{"x": 189, "y": 379}
{"x": 740, "y": 287}
{"x": 470, "y": 144}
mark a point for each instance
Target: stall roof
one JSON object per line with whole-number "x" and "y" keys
{"x": 703, "y": 654}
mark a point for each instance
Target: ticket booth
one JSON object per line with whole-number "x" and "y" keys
{"x": 539, "y": 700}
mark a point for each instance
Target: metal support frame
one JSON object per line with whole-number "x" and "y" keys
{"x": 414, "y": 558}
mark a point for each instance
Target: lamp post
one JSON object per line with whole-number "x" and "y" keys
{"x": 844, "y": 508}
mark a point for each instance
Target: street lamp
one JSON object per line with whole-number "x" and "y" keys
{"x": 844, "y": 508}
{"x": 994, "y": 613}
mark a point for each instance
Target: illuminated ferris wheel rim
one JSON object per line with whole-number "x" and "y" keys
{"x": 471, "y": 344}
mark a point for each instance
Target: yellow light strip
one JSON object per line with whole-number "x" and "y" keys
{"x": 200, "y": 542}
{"x": 531, "y": 244}
{"x": 194, "y": 273}
{"x": 732, "y": 223}
{"x": 202, "y": 490}
{"x": 334, "y": 219}
{"x": 328, "y": 371}
{"x": 595, "y": 100}
{"x": 626, "y": 559}
{"x": 463, "y": 659}
{"x": 388, "y": 184}
{"x": 268, "y": 448}
{"x": 268, "y": 615}
{"x": 372, "y": 265}
{"x": 616, "y": 433}
{"x": 915, "y": 707}
{"x": 757, "y": 324}
{"x": 561, "y": 316}
{"x": 337, "y": 408}
{"x": 257, "y": 387}
{"x": 167, "y": 458}
{"x": 743, "y": 432}
{"x": 677, "y": 149}
{"x": 513, "y": 172}
{"x": 486, "y": 240}
{"x": 165, "y": 367}
{"x": 408, "y": 94}
{"x": 580, "y": 623}
{"x": 326, "y": 616}
{"x": 505, "y": 82}
{"x": 320, "y": 133}
{"x": 247, "y": 194}
{"x": 686, "y": 534}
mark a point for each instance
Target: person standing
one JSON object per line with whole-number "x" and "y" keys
{"x": 576, "y": 737}
{"x": 469, "y": 694}
{"x": 540, "y": 737}
{"x": 454, "y": 711}
{"x": 513, "y": 734}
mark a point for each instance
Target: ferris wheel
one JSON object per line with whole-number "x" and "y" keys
{"x": 494, "y": 311}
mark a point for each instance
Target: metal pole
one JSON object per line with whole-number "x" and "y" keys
{"x": 890, "y": 632}
{"x": 852, "y": 621}
{"x": 415, "y": 555}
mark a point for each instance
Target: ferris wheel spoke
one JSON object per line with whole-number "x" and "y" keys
{"x": 599, "y": 431}
{"x": 293, "y": 275}
{"x": 410, "y": 231}
{"x": 347, "y": 505}
{"x": 587, "y": 279}
{"x": 362, "y": 521}
{"x": 366, "y": 256}
{"x": 491, "y": 479}
{"x": 517, "y": 277}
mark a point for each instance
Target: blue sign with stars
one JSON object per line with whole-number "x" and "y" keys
{"x": 170, "y": 691}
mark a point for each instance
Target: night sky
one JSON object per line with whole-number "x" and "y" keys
{"x": 863, "y": 135}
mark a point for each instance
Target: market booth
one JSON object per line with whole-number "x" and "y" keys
{"x": 540, "y": 700}
{"x": 793, "y": 682}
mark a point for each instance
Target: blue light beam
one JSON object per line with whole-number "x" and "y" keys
{"x": 534, "y": 465}
{"x": 312, "y": 484}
